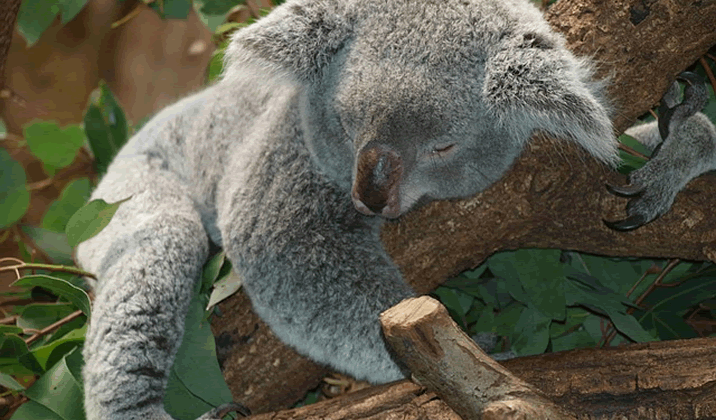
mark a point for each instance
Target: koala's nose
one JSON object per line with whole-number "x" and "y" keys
{"x": 376, "y": 188}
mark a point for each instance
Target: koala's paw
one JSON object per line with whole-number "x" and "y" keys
{"x": 686, "y": 152}
{"x": 219, "y": 412}
{"x": 651, "y": 196}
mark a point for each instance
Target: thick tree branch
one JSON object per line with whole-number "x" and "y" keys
{"x": 553, "y": 197}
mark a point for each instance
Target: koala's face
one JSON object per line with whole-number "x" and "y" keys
{"x": 412, "y": 120}
{"x": 416, "y": 137}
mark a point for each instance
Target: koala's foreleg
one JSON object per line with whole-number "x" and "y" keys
{"x": 313, "y": 266}
{"x": 147, "y": 261}
{"x": 684, "y": 143}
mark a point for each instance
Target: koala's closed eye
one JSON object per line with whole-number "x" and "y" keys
{"x": 444, "y": 150}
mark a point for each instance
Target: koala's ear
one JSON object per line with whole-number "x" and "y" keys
{"x": 299, "y": 37}
{"x": 534, "y": 83}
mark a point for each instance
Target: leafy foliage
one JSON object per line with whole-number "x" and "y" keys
{"x": 550, "y": 300}
{"x": 106, "y": 128}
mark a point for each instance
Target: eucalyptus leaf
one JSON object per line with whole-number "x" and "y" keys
{"x": 196, "y": 384}
{"x": 35, "y": 17}
{"x": 72, "y": 198}
{"x": 54, "y": 146}
{"x": 14, "y": 197}
{"x": 59, "y": 390}
{"x": 60, "y": 287}
{"x": 90, "y": 220}
{"x": 10, "y": 383}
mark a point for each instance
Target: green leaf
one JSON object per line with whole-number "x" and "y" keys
{"x": 55, "y": 147}
{"x": 3, "y": 130}
{"x": 70, "y": 8}
{"x": 106, "y": 128}
{"x": 60, "y": 287}
{"x": 486, "y": 321}
{"x": 216, "y": 64}
{"x": 196, "y": 384}
{"x": 10, "y": 383}
{"x": 211, "y": 272}
{"x": 14, "y": 197}
{"x": 40, "y": 315}
{"x": 578, "y": 293}
{"x": 51, "y": 353}
{"x": 224, "y": 288}
{"x": 35, "y": 17}
{"x": 456, "y": 302}
{"x": 90, "y": 220}
{"x": 173, "y": 9}
{"x": 52, "y": 243}
{"x": 72, "y": 198}
{"x": 540, "y": 273}
{"x": 34, "y": 411}
{"x": 533, "y": 333}
{"x": 219, "y": 7}
{"x": 60, "y": 389}
{"x": 574, "y": 340}
{"x": 14, "y": 348}
{"x": 10, "y": 329}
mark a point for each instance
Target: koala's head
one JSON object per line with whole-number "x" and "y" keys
{"x": 413, "y": 100}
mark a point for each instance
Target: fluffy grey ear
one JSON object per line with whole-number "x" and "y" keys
{"x": 533, "y": 83}
{"x": 298, "y": 37}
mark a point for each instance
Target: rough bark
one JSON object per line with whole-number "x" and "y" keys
{"x": 8, "y": 15}
{"x": 664, "y": 380}
{"x": 553, "y": 197}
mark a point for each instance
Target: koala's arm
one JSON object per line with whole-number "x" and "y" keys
{"x": 147, "y": 261}
{"x": 685, "y": 147}
{"x": 314, "y": 268}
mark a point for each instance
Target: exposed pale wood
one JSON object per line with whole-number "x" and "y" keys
{"x": 446, "y": 361}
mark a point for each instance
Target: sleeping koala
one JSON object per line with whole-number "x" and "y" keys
{"x": 332, "y": 115}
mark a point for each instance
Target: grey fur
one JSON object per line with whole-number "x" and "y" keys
{"x": 326, "y": 107}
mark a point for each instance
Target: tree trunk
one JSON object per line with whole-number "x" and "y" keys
{"x": 553, "y": 197}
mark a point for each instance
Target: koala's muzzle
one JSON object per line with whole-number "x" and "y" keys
{"x": 376, "y": 187}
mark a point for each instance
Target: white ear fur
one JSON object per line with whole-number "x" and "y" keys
{"x": 535, "y": 83}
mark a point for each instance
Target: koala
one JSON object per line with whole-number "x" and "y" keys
{"x": 684, "y": 145}
{"x": 331, "y": 116}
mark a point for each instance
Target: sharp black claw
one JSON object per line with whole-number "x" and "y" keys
{"x": 224, "y": 409}
{"x": 630, "y": 223}
{"x": 625, "y": 191}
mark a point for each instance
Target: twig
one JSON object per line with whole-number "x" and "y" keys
{"x": 51, "y": 267}
{"x": 632, "y": 152}
{"x": 709, "y": 73}
{"x": 9, "y": 320}
{"x": 54, "y": 326}
{"x": 657, "y": 283}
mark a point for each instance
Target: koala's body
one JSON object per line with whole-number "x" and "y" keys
{"x": 331, "y": 116}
